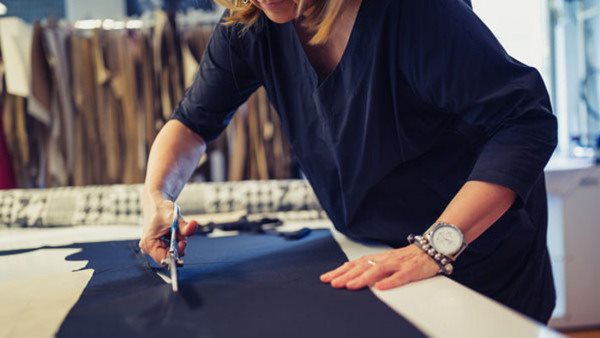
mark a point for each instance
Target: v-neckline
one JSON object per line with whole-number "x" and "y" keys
{"x": 347, "y": 50}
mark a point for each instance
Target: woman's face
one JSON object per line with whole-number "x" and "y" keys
{"x": 279, "y": 11}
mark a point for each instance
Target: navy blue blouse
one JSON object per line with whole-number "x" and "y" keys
{"x": 423, "y": 100}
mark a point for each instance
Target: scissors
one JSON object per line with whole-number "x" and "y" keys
{"x": 172, "y": 261}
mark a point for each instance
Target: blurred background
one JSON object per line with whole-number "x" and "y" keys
{"x": 86, "y": 85}
{"x": 140, "y": 55}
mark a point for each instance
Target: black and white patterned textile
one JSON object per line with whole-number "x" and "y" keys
{"x": 120, "y": 204}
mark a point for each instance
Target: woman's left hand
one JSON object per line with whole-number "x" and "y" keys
{"x": 384, "y": 271}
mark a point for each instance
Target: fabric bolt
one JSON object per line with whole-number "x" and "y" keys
{"x": 7, "y": 177}
{"x": 125, "y": 90}
{"x": 37, "y": 136}
{"x": 258, "y": 166}
{"x": 88, "y": 167}
{"x": 190, "y": 64}
{"x": 42, "y": 105}
{"x": 149, "y": 96}
{"x": 15, "y": 129}
{"x": 241, "y": 286}
{"x": 197, "y": 38}
{"x": 39, "y": 119}
{"x": 135, "y": 47}
{"x": 215, "y": 167}
{"x": 15, "y": 42}
{"x": 237, "y": 139}
{"x": 41, "y": 87}
{"x": 16, "y": 45}
{"x": 9, "y": 132}
{"x": 117, "y": 117}
{"x": 108, "y": 121}
{"x": 120, "y": 204}
{"x": 167, "y": 62}
{"x": 57, "y": 171}
{"x": 174, "y": 62}
{"x": 160, "y": 22}
{"x": 58, "y": 59}
{"x": 117, "y": 146}
{"x": 2, "y": 73}
{"x": 423, "y": 100}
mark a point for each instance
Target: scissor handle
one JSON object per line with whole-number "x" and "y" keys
{"x": 174, "y": 228}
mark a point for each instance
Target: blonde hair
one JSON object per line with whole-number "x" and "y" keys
{"x": 319, "y": 17}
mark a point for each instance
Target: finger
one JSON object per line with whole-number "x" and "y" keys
{"x": 340, "y": 281}
{"x": 158, "y": 254}
{"x": 181, "y": 247}
{"x": 156, "y": 249}
{"x": 397, "y": 279}
{"x": 146, "y": 244}
{"x": 329, "y": 276}
{"x": 188, "y": 228}
{"x": 372, "y": 275}
{"x": 141, "y": 246}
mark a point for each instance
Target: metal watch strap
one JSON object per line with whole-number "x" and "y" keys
{"x": 444, "y": 262}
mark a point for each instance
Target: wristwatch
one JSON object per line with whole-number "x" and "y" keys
{"x": 446, "y": 239}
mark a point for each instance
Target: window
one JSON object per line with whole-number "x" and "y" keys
{"x": 576, "y": 37}
{"x": 561, "y": 38}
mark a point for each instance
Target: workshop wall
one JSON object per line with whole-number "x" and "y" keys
{"x": 31, "y": 10}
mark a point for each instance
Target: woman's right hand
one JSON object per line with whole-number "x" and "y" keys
{"x": 158, "y": 215}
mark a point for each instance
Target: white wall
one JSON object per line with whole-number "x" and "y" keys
{"x": 522, "y": 28}
{"x": 94, "y": 9}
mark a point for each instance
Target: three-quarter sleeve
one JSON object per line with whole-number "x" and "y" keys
{"x": 223, "y": 82}
{"x": 452, "y": 61}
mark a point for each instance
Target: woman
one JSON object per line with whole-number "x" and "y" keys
{"x": 403, "y": 114}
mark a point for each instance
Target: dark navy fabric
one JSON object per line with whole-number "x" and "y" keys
{"x": 243, "y": 286}
{"x": 423, "y": 100}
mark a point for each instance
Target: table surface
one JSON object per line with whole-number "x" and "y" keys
{"x": 35, "y": 281}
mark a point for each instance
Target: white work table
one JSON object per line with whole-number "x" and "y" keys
{"x": 573, "y": 194}
{"x": 41, "y": 287}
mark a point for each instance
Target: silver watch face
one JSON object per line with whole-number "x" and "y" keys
{"x": 446, "y": 240}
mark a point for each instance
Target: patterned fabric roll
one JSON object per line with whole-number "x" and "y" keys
{"x": 120, "y": 204}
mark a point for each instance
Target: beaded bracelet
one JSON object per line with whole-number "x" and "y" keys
{"x": 444, "y": 262}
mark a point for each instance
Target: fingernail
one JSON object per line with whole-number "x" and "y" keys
{"x": 336, "y": 284}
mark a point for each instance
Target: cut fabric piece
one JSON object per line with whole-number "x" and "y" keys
{"x": 243, "y": 286}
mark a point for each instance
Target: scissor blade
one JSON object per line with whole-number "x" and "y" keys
{"x": 173, "y": 270}
{"x": 173, "y": 253}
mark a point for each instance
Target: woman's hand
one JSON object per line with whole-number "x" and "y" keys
{"x": 384, "y": 271}
{"x": 158, "y": 215}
